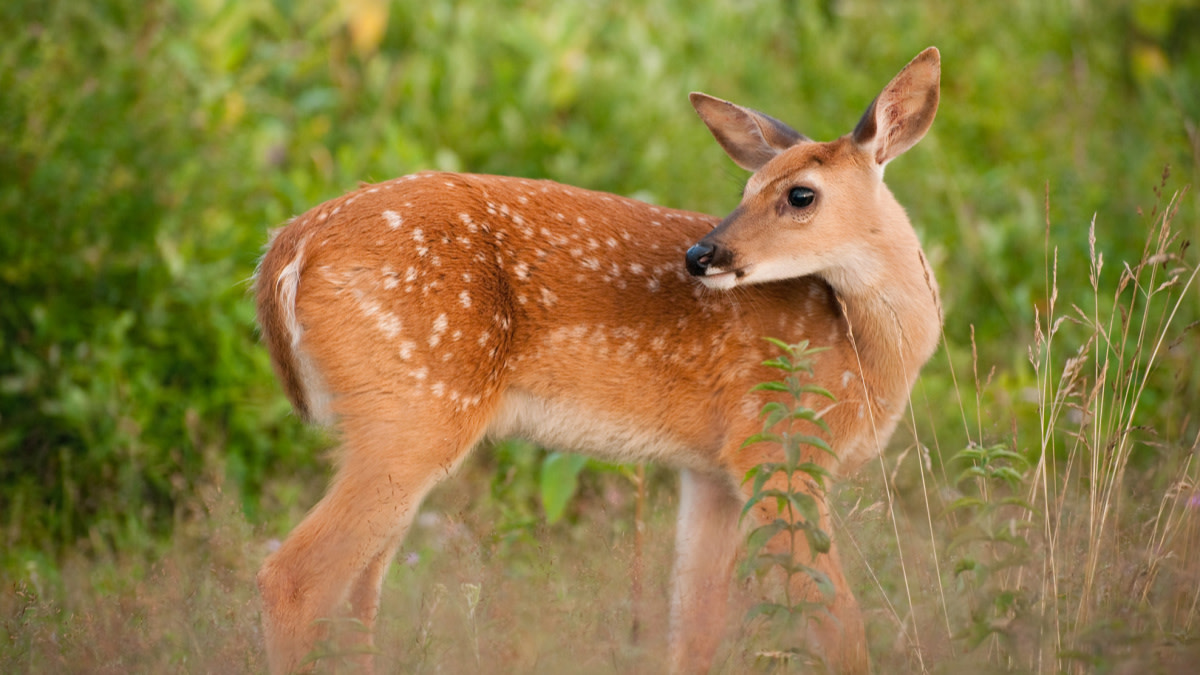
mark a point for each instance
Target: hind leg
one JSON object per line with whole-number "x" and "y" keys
{"x": 359, "y": 639}
{"x": 332, "y": 565}
{"x": 707, "y": 542}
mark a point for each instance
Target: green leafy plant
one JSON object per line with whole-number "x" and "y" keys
{"x": 558, "y": 482}
{"x": 991, "y": 541}
{"x": 790, "y": 426}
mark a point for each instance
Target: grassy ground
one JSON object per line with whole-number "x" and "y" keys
{"x": 559, "y": 599}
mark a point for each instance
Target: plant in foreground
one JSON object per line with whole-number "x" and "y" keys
{"x": 992, "y": 545}
{"x": 791, "y": 425}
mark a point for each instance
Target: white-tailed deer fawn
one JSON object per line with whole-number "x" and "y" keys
{"x": 427, "y": 313}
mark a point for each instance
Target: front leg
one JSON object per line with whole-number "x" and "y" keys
{"x": 836, "y": 635}
{"x": 707, "y": 541}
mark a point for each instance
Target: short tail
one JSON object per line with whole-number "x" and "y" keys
{"x": 276, "y": 284}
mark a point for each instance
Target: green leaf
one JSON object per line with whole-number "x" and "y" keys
{"x": 974, "y": 454}
{"x": 806, "y": 414}
{"x": 803, "y": 504}
{"x": 768, "y": 469}
{"x": 560, "y": 477}
{"x": 782, "y": 560}
{"x": 762, "y": 438}
{"x": 754, "y": 471}
{"x": 1017, "y": 501}
{"x": 779, "y": 363}
{"x": 818, "y": 540}
{"x": 769, "y": 386}
{"x": 774, "y": 413}
{"x": 965, "y": 502}
{"x": 999, "y": 452}
{"x": 813, "y": 442}
{"x": 806, "y": 505}
{"x": 969, "y": 473}
{"x": 822, "y": 580}
{"x": 1008, "y": 475}
{"x": 815, "y": 470}
{"x": 773, "y": 406}
{"x": 965, "y": 565}
{"x": 761, "y": 536}
{"x": 783, "y": 346}
{"x": 818, "y": 390}
{"x": 768, "y": 609}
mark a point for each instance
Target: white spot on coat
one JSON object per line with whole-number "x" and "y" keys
{"x": 440, "y": 324}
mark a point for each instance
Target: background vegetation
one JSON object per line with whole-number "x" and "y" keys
{"x": 147, "y": 458}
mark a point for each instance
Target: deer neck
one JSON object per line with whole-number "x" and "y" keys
{"x": 893, "y": 311}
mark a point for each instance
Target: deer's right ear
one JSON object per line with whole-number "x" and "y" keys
{"x": 903, "y": 111}
{"x": 749, "y": 137}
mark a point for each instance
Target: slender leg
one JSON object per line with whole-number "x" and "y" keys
{"x": 333, "y": 563}
{"x": 838, "y": 637}
{"x": 364, "y": 606}
{"x": 841, "y": 638}
{"x": 706, "y": 545}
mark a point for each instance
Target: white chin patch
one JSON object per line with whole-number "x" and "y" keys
{"x": 721, "y": 281}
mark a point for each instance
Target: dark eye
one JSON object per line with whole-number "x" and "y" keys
{"x": 801, "y": 197}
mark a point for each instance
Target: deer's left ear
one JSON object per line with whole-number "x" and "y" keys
{"x": 749, "y": 137}
{"x": 903, "y": 111}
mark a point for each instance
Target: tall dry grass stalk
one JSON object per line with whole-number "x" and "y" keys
{"x": 1091, "y": 404}
{"x": 1074, "y": 543}
{"x": 1092, "y": 408}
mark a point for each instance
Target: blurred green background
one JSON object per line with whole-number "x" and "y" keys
{"x": 146, "y": 147}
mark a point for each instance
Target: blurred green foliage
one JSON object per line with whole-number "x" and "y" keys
{"x": 147, "y": 146}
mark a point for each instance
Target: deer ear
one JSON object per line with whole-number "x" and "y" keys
{"x": 903, "y": 111}
{"x": 749, "y": 137}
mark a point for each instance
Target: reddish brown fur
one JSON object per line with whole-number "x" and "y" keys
{"x": 426, "y": 312}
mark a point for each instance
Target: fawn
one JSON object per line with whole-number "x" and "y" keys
{"x": 427, "y": 313}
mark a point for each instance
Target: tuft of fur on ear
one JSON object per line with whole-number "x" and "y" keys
{"x": 750, "y": 138}
{"x": 903, "y": 111}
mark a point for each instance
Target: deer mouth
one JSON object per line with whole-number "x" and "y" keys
{"x": 723, "y": 279}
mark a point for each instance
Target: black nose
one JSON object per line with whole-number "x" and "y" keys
{"x": 699, "y": 257}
